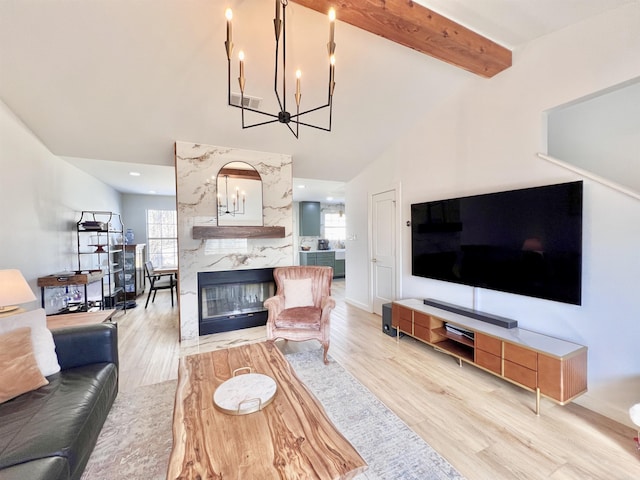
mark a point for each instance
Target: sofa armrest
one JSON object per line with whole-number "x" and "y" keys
{"x": 86, "y": 344}
{"x": 49, "y": 468}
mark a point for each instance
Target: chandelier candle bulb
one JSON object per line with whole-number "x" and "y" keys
{"x": 332, "y": 29}
{"x": 332, "y": 24}
{"x": 298, "y": 95}
{"x": 229, "y": 15}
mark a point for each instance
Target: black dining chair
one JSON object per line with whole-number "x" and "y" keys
{"x": 157, "y": 282}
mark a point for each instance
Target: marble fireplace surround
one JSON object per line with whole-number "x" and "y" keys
{"x": 196, "y": 207}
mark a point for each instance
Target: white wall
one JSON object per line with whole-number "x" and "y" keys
{"x": 484, "y": 139}
{"x": 41, "y": 197}
{"x": 601, "y": 134}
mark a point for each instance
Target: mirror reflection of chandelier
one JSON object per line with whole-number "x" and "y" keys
{"x": 282, "y": 116}
{"x": 230, "y": 205}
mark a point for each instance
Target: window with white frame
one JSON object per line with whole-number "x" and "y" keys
{"x": 162, "y": 238}
{"x": 335, "y": 226}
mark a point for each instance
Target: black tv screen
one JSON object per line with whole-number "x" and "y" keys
{"x": 526, "y": 241}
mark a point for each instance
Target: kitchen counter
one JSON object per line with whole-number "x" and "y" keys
{"x": 331, "y": 258}
{"x": 315, "y": 250}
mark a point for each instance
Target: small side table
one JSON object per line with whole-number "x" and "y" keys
{"x": 69, "y": 279}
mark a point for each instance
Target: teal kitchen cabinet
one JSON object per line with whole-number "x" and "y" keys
{"x": 307, "y": 258}
{"x": 326, "y": 259}
{"x": 309, "y": 219}
{"x": 323, "y": 258}
{"x": 339, "y": 270}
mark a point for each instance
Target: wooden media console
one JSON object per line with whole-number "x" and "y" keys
{"x": 548, "y": 366}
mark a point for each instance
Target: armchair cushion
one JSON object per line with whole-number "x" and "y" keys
{"x": 299, "y": 317}
{"x": 298, "y": 292}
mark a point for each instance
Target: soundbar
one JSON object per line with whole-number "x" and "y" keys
{"x": 469, "y": 312}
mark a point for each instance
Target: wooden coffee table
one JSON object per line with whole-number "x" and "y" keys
{"x": 291, "y": 438}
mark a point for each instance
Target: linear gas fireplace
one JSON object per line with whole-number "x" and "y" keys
{"x": 233, "y": 299}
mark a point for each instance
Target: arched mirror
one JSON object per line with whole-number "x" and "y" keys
{"x": 239, "y": 195}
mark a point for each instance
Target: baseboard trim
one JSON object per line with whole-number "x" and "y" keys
{"x": 357, "y": 304}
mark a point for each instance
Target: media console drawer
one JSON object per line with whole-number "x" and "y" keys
{"x": 489, "y": 361}
{"x": 489, "y": 344}
{"x": 522, "y": 375}
{"x": 402, "y": 318}
{"x": 521, "y": 356}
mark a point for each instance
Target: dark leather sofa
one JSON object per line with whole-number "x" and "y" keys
{"x": 49, "y": 433}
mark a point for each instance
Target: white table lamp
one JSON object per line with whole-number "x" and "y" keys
{"x": 14, "y": 290}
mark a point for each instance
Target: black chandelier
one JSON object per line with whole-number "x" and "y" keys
{"x": 230, "y": 205}
{"x": 283, "y": 116}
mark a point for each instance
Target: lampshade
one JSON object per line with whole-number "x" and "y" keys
{"x": 14, "y": 289}
{"x": 634, "y": 413}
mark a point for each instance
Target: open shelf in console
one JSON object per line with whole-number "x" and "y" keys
{"x": 455, "y": 347}
{"x": 458, "y": 338}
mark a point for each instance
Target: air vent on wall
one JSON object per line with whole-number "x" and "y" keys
{"x": 249, "y": 102}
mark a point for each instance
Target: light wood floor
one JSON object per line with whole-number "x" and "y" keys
{"x": 484, "y": 426}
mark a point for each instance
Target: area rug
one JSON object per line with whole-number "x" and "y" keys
{"x": 136, "y": 439}
{"x": 391, "y": 449}
{"x": 135, "y": 442}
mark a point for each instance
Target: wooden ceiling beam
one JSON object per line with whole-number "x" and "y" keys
{"x": 417, "y": 27}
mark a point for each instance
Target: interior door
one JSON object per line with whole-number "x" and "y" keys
{"x": 383, "y": 248}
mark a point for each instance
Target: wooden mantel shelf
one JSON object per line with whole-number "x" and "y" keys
{"x": 237, "y": 232}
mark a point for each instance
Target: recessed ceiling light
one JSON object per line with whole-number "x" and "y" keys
{"x": 152, "y": 192}
{"x": 329, "y": 199}
{"x": 301, "y": 186}
{"x": 134, "y": 174}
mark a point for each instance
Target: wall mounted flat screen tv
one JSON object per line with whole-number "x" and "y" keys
{"x": 526, "y": 241}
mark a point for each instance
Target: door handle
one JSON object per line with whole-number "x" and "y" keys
{"x": 373, "y": 260}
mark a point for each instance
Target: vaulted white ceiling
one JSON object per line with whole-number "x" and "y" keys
{"x": 122, "y": 80}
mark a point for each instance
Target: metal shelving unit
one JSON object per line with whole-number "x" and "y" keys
{"x": 100, "y": 236}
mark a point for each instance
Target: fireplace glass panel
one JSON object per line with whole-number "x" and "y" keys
{"x": 222, "y": 301}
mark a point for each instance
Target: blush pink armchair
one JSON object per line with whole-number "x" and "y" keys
{"x": 301, "y": 308}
